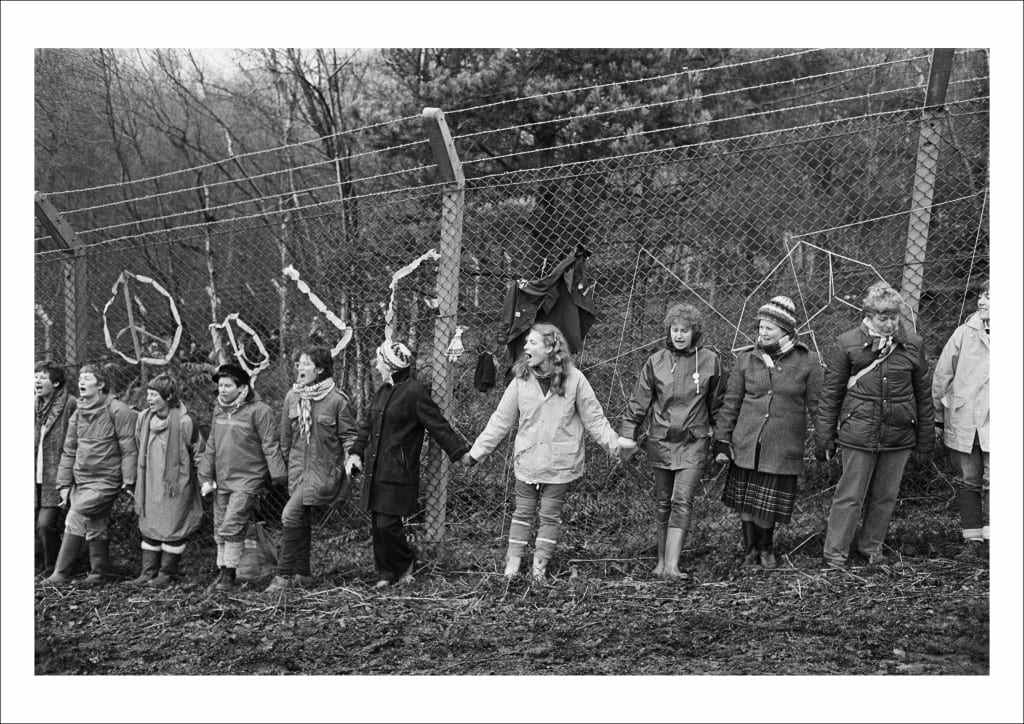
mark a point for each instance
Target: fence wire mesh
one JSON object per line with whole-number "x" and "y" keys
{"x": 815, "y": 212}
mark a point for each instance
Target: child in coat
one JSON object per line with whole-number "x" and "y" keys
{"x": 552, "y": 403}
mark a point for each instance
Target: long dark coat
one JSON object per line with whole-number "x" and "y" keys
{"x": 390, "y": 441}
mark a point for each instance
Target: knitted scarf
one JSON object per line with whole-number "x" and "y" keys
{"x": 47, "y": 413}
{"x": 775, "y": 350}
{"x": 308, "y": 394}
{"x": 172, "y": 458}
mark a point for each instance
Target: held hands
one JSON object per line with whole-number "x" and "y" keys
{"x": 468, "y": 460}
{"x": 825, "y": 452}
{"x": 723, "y": 452}
{"x": 353, "y": 465}
{"x": 65, "y": 496}
{"x": 207, "y": 487}
{"x": 627, "y": 447}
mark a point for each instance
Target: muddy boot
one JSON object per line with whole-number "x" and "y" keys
{"x": 766, "y": 547}
{"x": 169, "y": 563}
{"x": 99, "y": 562}
{"x": 226, "y": 580}
{"x": 750, "y": 554}
{"x": 280, "y": 583}
{"x": 674, "y": 538}
{"x": 150, "y": 566}
{"x": 512, "y": 566}
{"x": 70, "y": 548}
{"x": 540, "y": 568}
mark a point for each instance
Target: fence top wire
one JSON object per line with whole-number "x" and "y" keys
{"x": 233, "y": 158}
{"x": 688, "y": 99}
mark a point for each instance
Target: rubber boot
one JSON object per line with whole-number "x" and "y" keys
{"x": 150, "y": 566}
{"x": 99, "y": 562}
{"x": 303, "y": 549}
{"x": 291, "y": 545}
{"x": 540, "y": 567}
{"x": 70, "y": 548}
{"x": 169, "y": 563}
{"x": 673, "y": 547}
{"x": 512, "y": 566}
{"x": 766, "y": 546}
{"x": 750, "y": 541}
{"x": 660, "y": 568}
{"x": 51, "y": 548}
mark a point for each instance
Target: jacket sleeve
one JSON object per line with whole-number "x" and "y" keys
{"x": 592, "y": 415}
{"x": 263, "y": 420}
{"x": 925, "y": 410}
{"x": 732, "y": 400}
{"x": 193, "y": 440}
{"x": 503, "y": 419}
{"x": 431, "y": 417}
{"x": 140, "y": 458}
{"x": 833, "y": 391}
{"x": 208, "y": 460}
{"x": 945, "y": 371}
{"x": 284, "y": 428}
{"x": 124, "y": 428}
{"x": 347, "y": 431}
{"x": 639, "y": 402}
{"x": 813, "y": 394}
{"x": 65, "y": 470}
{"x": 717, "y": 388}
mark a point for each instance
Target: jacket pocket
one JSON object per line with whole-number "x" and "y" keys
{"x": 563, "y": 455}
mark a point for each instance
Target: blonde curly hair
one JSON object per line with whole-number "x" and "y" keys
{"x": 558, "y": 361}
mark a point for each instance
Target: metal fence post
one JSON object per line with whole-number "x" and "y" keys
{"x": 933, "y": 124}
{"x": 447, "y": 289}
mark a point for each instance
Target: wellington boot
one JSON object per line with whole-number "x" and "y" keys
{"x": 660, "y": 568}
{"x": 750, "y": 539}
{"x": 150, "y": 567}
{"x": 512, "y": 564}
{"x": 70, "y": 548}
{"x": 766, "y": 547}
{"x": 674, "y": 538}
{"x": 99, "y": 563}
{"x": 169, "y": 563}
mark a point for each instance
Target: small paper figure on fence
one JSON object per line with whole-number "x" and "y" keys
{"x": 455, "y": 347}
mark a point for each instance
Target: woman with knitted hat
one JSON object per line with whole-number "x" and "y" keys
{"x": 681, "y": 387}
{"x": 316, "y": 431}
{"x": 772, "y": 392}
{"x": 387, "y": 451}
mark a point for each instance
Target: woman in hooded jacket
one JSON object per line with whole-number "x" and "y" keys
{"x": 681, "y": 388}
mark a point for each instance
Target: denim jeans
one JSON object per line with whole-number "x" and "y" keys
{"x": 88, "y": 527}
{"x": 971, "y": 473}
{"x": 231, "y": 513}
{"x": 294, "y": 514}
{"x": 551, "y": 497}
{"x": 870, "y": 481}
{"x": 674, "y": 491}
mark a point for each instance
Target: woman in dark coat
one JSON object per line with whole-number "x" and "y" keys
{"x": 762, "y": 425}
{"x": 387, "y": 449}
{"x": 53, "y": 411}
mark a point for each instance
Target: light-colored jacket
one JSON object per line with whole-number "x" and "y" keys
{"x": 960, "y": 386}
{"x": 549, "y": 440}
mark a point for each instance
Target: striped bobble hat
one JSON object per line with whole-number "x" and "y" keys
{"x": 780, "y": 311}
{"x": 395, "y": 355}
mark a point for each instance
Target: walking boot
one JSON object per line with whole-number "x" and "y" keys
{"x": 70, "y": 548}
{"x": 99, "y": 562}
{"x": 674, "y": 538}
{"x": 150, "y": 566}
{"x": 750, "y": 554}
{"x": 766, "y": 546}
{"x": 512, "y": 566}
{"x": 169, "y": 563}
{"x": 540, "y": 567}
{"x": 226, "y": 580}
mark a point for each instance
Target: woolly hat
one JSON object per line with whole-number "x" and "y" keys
{"x": 233, "y": 371}
{"x": 395, "y": 355}
{"x": 780, "y": 311}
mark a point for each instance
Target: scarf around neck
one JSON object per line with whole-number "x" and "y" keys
{"x": 152, "y": 423}
{"x": 881, "y": 345}
{"x": 308, "y": 394}
{"x": 776, "y": 350}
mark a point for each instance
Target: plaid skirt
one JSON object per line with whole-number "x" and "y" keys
{"x": 762, "y": 495}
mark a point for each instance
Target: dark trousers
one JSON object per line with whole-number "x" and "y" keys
{"x": 392, "y": 554}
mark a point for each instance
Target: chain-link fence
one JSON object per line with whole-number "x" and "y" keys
{"x": 815, "y": 212}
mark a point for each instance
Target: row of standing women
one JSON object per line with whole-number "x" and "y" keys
{"x": 874, "y": 401}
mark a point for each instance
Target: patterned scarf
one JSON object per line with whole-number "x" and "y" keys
{"x": 308, "y": 394}
{"x": 880, "y": 344}
{"x": 777, "y": 349}
{"x": 154, "y": 424}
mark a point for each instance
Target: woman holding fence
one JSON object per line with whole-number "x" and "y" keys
{"x": 317, "y": 430}
{"x": 552, "y": 403}
{"x": 167, "y": 498}
{"x": 773, "y": 390}
{"x": 681, "y": 387}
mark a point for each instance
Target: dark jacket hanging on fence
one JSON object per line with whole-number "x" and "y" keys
{"x": 390, "y": 440}
{"x": 561, "y": 298}
{"x": 485, "y": 376}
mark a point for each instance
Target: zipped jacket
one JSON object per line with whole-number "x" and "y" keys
{"x": 317, "y": 466}
{"x": 243, "y": 450}
{"x": 960, "y": 387}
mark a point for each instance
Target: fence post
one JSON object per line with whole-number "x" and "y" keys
{"x": 933, "y": 125}
{"x": 452, "y": 206}
{"x": 75, "y": 280}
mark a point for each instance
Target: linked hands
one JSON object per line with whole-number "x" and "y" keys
{"x": 353, "y": 465}
{"x": 627, "y": 447}
{"x": 207, "y": 487}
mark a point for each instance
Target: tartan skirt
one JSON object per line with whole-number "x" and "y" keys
{"x": 762, "y": 495}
